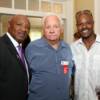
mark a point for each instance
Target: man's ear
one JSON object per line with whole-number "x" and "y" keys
{"x": 62, "y": 30}
{"x": 62, "y": 33}
{"x": 8, "y": 25}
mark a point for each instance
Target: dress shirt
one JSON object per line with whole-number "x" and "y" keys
{"x": 48, "y": 79}
{"x": 87, "y": 75}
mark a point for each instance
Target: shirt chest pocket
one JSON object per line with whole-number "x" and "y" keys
{"x": 78, "y": 61}
{"x": 96, "y": 62}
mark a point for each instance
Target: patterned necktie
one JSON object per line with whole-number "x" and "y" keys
{"x": 21, "y": 54}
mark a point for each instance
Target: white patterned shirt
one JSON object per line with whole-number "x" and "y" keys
{"x": 87, "y": 75}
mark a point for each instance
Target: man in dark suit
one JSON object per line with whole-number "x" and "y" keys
{"x": 14, "y": 75}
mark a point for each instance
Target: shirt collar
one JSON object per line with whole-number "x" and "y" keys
{"x": 45, "y": 43}
{"x": 15, "y": 43}
{"x": 97, "y": 39}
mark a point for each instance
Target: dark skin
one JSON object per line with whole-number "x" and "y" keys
{"x": 18, "y": 27}
{"x": 85, "y": 26}
{"x": 98, "y": 94}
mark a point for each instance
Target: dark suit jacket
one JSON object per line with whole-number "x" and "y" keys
{"x": 13, "y": 77}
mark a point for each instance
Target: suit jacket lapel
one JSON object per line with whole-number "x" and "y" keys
{"x": 13, "y": 50}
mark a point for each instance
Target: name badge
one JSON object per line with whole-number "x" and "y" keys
{"x": 65, "y": 66}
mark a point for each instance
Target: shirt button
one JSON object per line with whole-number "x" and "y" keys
{"x": 58, "y": 88}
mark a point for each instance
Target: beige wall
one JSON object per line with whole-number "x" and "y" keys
{"x": 97, "y": 16}
{"x": 84, "y": 4}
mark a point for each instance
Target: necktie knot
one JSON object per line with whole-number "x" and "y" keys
{"x": 21, "y": 53}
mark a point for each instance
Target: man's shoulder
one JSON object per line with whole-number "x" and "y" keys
{"x": 2, "y": 41}
{"x": 65, "y": 44}
{"x": 34, "y": 44}
{"x": 76, "y": 42}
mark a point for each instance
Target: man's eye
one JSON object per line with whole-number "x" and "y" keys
{"x": 89, "y": 22}
{"x": 19, "y": 24}
{"x": 48, "y": 27}
{"x": 79, "y": 24}
{"x": 56, "y": 26}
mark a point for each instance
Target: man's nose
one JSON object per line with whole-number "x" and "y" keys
{"x": 23, "y": 29}
{"x": 51, "y": 30}
{"x": 84, "y": 25}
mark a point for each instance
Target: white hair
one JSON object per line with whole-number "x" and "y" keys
{"x": 51, "y": 14}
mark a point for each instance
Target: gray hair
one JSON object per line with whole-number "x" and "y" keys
{"x": 52, "y": 14}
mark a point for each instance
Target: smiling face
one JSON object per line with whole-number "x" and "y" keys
{"x": 19, "y": 27}
{"x": 85, "y": 25}
{"x": 52, "y": 29}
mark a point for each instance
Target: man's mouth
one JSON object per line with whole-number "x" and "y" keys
{"x": 85, "y": 30}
